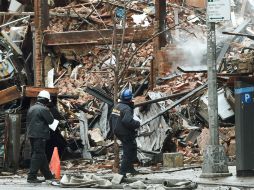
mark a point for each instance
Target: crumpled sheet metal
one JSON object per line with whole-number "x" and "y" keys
{"x": 167, "y": 185}
{"x": 158, "y": 127}
{"x": 88, "y": 180}
{"x": 6, "y": 69}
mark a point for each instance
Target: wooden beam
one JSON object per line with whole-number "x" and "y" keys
{"x": 101, "y": 37}
{"x": 9, "y": 94}
{"x": 160, "y": 41}
{"x": 32, "y": 92}
{"x": 41, "y": 22}
{"x": 160, "y": 17}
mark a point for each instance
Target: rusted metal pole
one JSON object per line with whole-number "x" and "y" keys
{"x": 161, "y": 99}
{"x": 41, "y": 22}
{"x": 174, "y": 104}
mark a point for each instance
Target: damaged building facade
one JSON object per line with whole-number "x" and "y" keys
{"x": 85, "y": 52}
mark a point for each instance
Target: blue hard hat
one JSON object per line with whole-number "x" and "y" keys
{"x": 126, "y": 94}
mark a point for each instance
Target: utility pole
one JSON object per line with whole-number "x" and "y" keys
{"x": 215, "y": 161}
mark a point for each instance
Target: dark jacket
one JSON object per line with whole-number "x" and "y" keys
{"x": 122, "y": 121}
{"x": 38, "y": 119}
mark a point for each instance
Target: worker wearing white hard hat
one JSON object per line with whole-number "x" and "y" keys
{"x": 39, "y": 118}
{"x": 44, "y": 94}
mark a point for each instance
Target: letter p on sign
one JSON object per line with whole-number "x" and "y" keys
{"x": 247, "y": 98}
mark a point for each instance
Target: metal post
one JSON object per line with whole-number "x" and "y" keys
{"x": 212, "y": 84}
{"x": 215, "y": 161}
{"x": 12, "y": 22}
{"x": 13, "y": 147}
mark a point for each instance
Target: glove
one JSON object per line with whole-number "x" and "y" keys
{"x": 51, "y": 3}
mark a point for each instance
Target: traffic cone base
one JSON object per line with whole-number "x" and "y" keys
{"x": 54, "y": 165}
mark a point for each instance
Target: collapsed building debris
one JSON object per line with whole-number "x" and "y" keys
{"x": 79, "y": 47}
{"x": 94, "y": 181}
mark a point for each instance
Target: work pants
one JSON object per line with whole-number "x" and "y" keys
{"x": 38, "y": 159}
{"x": 129, "y": 156}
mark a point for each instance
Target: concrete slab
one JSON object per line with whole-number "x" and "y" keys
{"x": 173, "y": 160}
{"x": 117, "y": 178}
{"x": 194, "y": 175}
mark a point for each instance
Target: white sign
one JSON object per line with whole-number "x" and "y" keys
{"x": 218, "y": 10}
{"x": 50, "y": 78}
{"x": 54, "y": 125}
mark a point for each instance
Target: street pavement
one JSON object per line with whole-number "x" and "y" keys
{"x": 19, "y": 183}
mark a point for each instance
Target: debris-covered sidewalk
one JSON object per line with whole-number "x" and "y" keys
{"x": 170, "y": 179}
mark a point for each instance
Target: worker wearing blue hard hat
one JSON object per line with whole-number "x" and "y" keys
{"x": 124, "y": 127}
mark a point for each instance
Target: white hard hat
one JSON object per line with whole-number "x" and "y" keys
{"x": 44, "y": 94}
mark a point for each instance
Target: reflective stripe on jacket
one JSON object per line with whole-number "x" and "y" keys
{"x": 122, "y": 121}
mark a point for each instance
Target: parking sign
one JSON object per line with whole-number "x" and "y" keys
{"x": 218, "y": 10}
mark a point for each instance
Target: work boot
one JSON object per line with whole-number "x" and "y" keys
{"x": 35, "y": 180}
{"x": 133, "y": 172}
{"x": 52, "y": 180}
{"x": 50, "y": 177}
{"x": 123, "y": 174}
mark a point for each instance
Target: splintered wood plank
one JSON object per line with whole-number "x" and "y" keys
{"x": 9, "y": 94}
{"x": 94, "y": 37}
{"x": 31, "y": 91}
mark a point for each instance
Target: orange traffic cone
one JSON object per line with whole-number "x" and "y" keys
{"x": 55, "y": 164}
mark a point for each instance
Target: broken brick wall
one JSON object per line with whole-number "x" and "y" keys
{"x": 196, "y": 3}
